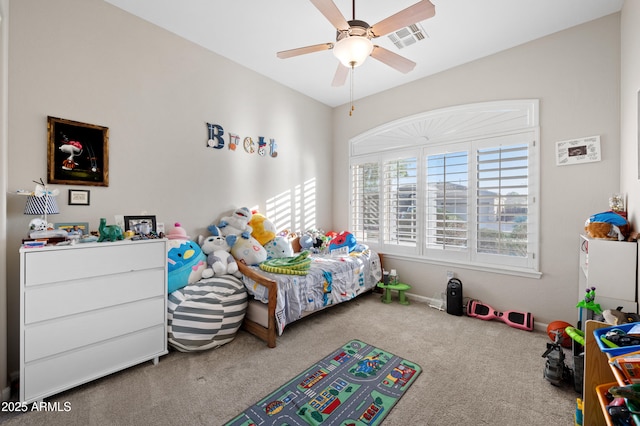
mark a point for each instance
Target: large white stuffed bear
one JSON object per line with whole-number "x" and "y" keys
{"x": 236, "y": 224}
{"x": 219, "y": 259}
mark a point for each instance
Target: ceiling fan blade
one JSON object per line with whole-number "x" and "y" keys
{"x": 394, "y": 60}
{"x": 341, "y": 75}
{"x": 330, "y": 11}
{"x": 304, "y": 50}
{"x": 420, "y": 11}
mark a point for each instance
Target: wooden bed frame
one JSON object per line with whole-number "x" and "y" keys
{"x": 270, "y": 333}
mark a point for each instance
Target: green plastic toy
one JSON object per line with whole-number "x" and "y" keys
{"x": 589, "y": 301}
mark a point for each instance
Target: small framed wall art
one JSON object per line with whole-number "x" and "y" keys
{"x": 77, "y": 153}
{"x": 78, "y": 197}
{"x": 576, "y": 151}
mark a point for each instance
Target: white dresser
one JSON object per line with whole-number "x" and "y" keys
{"x": 89, "y": 310}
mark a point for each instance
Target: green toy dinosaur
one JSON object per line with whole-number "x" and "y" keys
{"x": 109, "y": 232}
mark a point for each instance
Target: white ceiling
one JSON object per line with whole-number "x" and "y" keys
{"x": 250, "y": 32}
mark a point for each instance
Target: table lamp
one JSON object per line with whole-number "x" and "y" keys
{"x": 42, "y": 202}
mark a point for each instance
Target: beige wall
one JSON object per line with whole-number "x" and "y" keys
{"x": 88, "y": 61}
{"x": 629, "y": 115}
{"x": 575, "y": 74}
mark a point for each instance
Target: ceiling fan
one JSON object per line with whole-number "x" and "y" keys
{"x": 353, "y": 39}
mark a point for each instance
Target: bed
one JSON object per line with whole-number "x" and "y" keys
{"x": 277, "y": 300}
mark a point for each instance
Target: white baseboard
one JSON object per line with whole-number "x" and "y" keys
{"x": 434, "y": 303}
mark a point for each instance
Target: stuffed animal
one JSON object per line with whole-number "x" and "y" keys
{"x": 279, "y": 247}
{"x": 314, "y": 240}
{"x": 237, "y": 223}
{"x": 263, "y": 229}
{"x": 343, "y": 239}
{"x": 185, "y": 259}
{"x": 247, "y": 250}
{"x": 219, "y": 259}
{"x": 617, "y": 317}
{"x": 607, "y": 225}
{"x": 306, "y": 242}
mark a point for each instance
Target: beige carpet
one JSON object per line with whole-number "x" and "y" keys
{"x": 475, "y": 373}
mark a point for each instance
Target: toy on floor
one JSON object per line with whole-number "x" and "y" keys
{"x": 521, "y": 320}
{"x": 575, "y": 334}
{"x": 559, "y": 326}
{"x": 555, "y": 370}
{"x": 589, "y": 302}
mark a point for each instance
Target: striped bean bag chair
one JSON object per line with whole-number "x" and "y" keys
{"x": 206, "y": 314}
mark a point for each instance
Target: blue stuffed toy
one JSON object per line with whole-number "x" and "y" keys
{"x": 185, "y": 259}
{"x": 344, "y": 240}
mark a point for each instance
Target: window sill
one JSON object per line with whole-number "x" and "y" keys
{"x": 495, "y": 269}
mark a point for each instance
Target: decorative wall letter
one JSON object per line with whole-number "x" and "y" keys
{"x": 249, "y": 145}
{"x": 234, "y": 141}
{"x": 261, "y": 146}
{"x": 215, "y": 136}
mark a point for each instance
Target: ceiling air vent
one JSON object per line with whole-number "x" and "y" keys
{"x": 408, "y": 35}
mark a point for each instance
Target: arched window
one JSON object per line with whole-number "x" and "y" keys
{"x": 455, "y": 185}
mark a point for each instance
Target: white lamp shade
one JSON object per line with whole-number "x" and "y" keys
{"x": 353, "y": 51}
{"x": 44, "y": 205}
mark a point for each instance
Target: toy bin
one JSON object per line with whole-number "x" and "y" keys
{"x": 611, "y": 352}
{"x": 601, "y": 391}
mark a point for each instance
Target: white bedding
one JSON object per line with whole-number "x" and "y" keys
{"x": 330, "y": 280}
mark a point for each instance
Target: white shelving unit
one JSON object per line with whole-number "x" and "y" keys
{"x": 89, "y": 310}
{"x": 611, "y": 267}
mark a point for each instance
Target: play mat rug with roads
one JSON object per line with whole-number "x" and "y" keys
{"x": 357, "y": 384}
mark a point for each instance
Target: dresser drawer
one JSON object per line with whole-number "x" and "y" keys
{"x": 54, "y": 337}
{"x": 56, "y": 300}
{"x": 43, "y": 266}
{"x": 52, "y": 375}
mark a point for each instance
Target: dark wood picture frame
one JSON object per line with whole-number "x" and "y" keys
{"x": 78, "y": 153}
{"x": 130, "y": 222}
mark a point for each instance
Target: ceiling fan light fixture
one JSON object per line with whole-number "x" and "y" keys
{"x": 352, "y": 51}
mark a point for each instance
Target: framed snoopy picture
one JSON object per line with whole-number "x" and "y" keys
{"x": 78, "y": 153}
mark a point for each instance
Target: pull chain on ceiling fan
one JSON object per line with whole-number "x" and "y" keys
{"x": 354, "y": 39}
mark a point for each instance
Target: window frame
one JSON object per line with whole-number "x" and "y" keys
{"x": 497, "y": 121}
